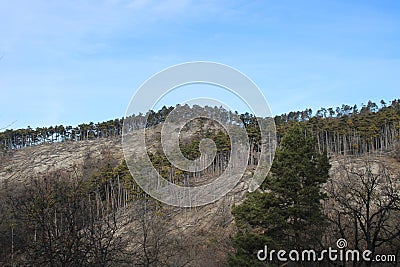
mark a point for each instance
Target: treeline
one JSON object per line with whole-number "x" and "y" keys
{"x": 349, "y": 130}
{"x": 343, "y": 130}
{"x": 15, "y": 139}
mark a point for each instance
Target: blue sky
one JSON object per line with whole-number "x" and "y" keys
{"x": 68, "y": 62}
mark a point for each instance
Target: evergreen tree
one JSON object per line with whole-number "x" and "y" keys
{"x": 287, "y": 212}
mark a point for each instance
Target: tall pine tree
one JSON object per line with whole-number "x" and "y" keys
{"x": 286, "y": 213}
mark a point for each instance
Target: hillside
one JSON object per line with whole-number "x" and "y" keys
{"x": 146, "y": 232}
{"x": 31, "y": 161}
{"x": 202, "y": 231}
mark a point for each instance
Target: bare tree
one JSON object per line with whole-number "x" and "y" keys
{"x": 59, "y": 224}
{"x": 364, "y": 206}
{"x": 154, "y": 241}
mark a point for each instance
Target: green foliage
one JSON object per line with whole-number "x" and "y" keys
{"x": 288, "y": 213}
{"x": 191, "y": 149}
{"x": 112, "y": 182}
{"x": 245, "y": 242}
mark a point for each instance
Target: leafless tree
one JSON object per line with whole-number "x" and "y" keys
{"x": 154, "y": 241}
{"x": 364, "y": 206}
{"x": 57, "y": 224}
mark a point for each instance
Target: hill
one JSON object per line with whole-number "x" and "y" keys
{"x": 87, "y": 161}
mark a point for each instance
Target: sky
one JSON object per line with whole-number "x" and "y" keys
{"x": 69, "y": 62}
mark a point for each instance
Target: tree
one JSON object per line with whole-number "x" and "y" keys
{"x": 53, "y": 221}
{"x": 152, "y": 242}
{"x": 364, "y": 207}
{"x": 287, "y": 213}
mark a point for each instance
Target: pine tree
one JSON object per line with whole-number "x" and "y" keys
{"x": 287, "y": 212}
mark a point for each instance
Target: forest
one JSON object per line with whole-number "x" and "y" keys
{"x": 98, "y": 216}
{"x": 341, "y": 130}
